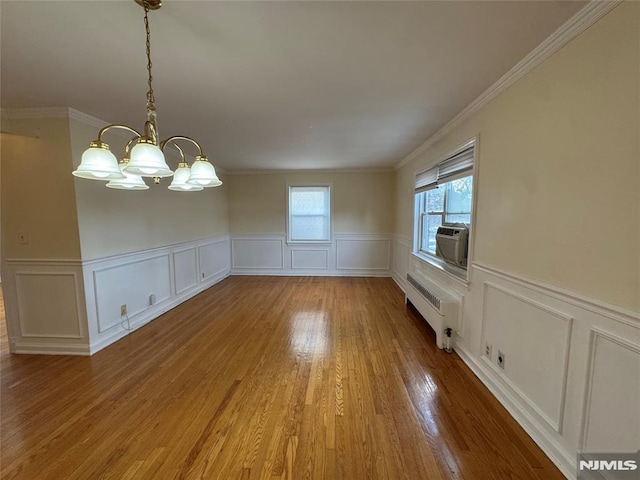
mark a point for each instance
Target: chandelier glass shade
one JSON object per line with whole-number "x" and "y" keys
{"x": 180, "y": 178}
{"x": 203, "y": 174}
{"x": 129, "y": 182}
{"x": 146, "y": 158}
{"x": 98, "y": 163}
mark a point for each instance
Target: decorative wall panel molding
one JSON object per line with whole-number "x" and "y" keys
{"x": 185, "y": 268}
{"x": 570, "y": 362}
{"x": 594, "y": 305}
{"x": 362, "y": 253}
{"x": 130, "y": 283}
{"x": 149, "y": 283}
{"x": 40, "y": 294}
{"x": 569, "y": 359}
{"x": 345, "y": 255}
{"x": 535, "y": 340}
{"x": 214, "y": 259}
{"x": 309, "y": 259}
{"x": 613, "y": 386}
{"x": 256, "y": 253}
{"x": 400, "y": 259}
{"x": 45, "y": 309}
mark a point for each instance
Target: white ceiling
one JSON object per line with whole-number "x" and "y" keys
{"x": 278, "y": 85}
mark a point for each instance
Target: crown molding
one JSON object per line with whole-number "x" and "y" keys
{"x": 310, "y": 171}
{"x": 51, "y": 112}
{"x": 86, "y": 119}
{"x": 38, "y": 112}
{"x": 587, "y": 16}
{"x": 72, "y": 114}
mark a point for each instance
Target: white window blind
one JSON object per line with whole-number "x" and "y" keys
{"x": 309, "y": 214}
{"x": 454, "y": 167}
{"x": 427, "y": 179}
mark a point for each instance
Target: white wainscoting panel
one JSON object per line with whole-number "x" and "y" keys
{"x": 257, "y": 253}
{"x": 40, "y": 294}
{"x": 173, "y": 274}
{"x": 572, "y": 370}
{"x": 185, "y": 267}
{"x": 130, "y": 284}
{"x": 72, "y": 307}
{"x": 214, "y": 259}
{"x": 535, "y": 341}
{"x": 613, "y": 386}
{"x": 401, "y": 255}
{"x": 45, "y": 308}
{"x": 345, "y": 255}
{"x": 309, "y": 259}
{"x": 363, "y": 253}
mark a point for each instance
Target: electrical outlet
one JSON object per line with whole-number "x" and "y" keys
{"x": 152, "y": 299}
{"x": 501, "y": 359}
{"x": 487, "y": 350}
{"x": 202, "y": 274}
{"x": 123, "y": 310}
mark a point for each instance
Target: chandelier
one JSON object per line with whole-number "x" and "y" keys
{"x": 143, "y": 153}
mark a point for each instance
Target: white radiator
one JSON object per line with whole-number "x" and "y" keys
{"x": 435, "y": 304}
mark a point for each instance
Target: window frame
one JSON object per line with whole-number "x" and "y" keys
{"x": 458, "y": 274}
{"x": 423, "y": 214}
{"x": 290, "y": 240}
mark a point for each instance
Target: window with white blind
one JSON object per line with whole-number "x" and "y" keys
{"x": 309, "y": 214}
{"x": 443, "y": 195}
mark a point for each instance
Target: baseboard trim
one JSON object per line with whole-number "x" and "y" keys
{"x": 151, "y": 314}
{"x": 30, "y": 348}
{"x": 564, "y": 460}
{"x": 399, "y": 281}
{"x": 311, "y": 273}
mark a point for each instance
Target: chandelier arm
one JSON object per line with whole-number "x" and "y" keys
{"x": 109, "y": 127}
{"x": 127, "y": 147}
{"x": 171, "y": 142}
{"x": 181, "y": 137}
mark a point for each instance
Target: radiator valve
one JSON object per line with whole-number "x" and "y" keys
{"x": 448, "y": 332}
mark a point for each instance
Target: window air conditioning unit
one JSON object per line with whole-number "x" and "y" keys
{"x": 451, "y": 244}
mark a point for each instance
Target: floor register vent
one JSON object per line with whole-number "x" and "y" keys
{"x": 438, "y": 306}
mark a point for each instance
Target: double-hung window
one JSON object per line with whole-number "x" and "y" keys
{"x": 309, "y": 214}
{"x": 443, "y": 195}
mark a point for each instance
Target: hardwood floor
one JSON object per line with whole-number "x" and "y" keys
{"x": 264, "y": 377}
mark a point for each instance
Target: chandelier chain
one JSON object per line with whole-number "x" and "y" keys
{"x": 150, "y": 97}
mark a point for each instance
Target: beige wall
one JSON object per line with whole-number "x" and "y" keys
{"x": 37, "y": 190}
{"x": 115, "y": 221}
{"x": 361, "y": 203}
{"x": 558, "y": 197}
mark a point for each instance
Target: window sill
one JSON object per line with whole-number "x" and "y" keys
{"x": 459, "y": 275}
{"x": 309, "y": 242}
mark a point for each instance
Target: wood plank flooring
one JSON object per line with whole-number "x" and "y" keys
{"x": 265, "y": 378}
